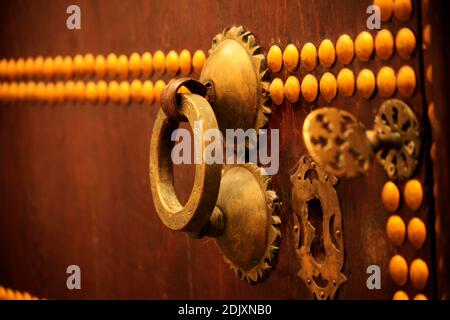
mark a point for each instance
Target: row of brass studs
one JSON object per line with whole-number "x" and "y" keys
{"x": 387, "y": 81}
{"x": 405, "y": 43}
{"x": 396, "y": 231}
{"x": 401, "y": 9}
{"x": 9, "y": 294}
{"x": 112, "y": 66}
{"x": 119, "y": 92}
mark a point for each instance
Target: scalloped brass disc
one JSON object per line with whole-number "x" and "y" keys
{"x": 235, "y": 69}
{"x": 251, "y": 235}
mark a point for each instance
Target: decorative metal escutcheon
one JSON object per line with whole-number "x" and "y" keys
{"x": 319, "y": 240}
{"x": 235, "y": 204}
{"x": 341, "y": 144}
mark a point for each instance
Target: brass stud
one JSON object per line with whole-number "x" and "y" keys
{"x": 327, "y": 53}
{"x": 159, "y": 86}
{"x": 124, "y": 92}
{"x": 20, "y": 67}
{"x": 113, "y": 91}
{"x": 136, "y": 90}
{"x": 58, "y": 65}
{"x": 48, "y": 67}
{"x": 111, "y": 64}
{"x": 290, "y": 57}
{"x": 60, "y": 91}
{"x": 80, "y": 90}
{"x": 172, "y": 63}
{"x": 100, "y": 66}
{"x": 420, "y": 296}
{"x": 292, "y": 89}
{"x": 400, "y": 295}
{"x": 345, "y": 49}
{"x": 429, "y": 73}
{"x": 67, "y": 69}
{"x": 364, "y": 46}
{"x": 38, "y": 66}
{"x": 276, "y": 90}
{"x": 275, "y": 58}
{"x": 308, "y": 56}
{"x": 185, "y": 62}
{"x": 386, "y": 81}
{"x": 398, "y": 270}
{"x": 417, "y": 232}
{"x": 91, "y": 91}
{"x": 147, "y": 91}
{"x": 50, "y": 92}
{"x": 89, "y": 63}
{"x": 406, "y": 81}
{"x": 402, "y": 10}
{"x": 309, "y": 88}
{"x": 390, "y": 196}
{"x": 365, "y": 83}
{"x": 134, "y": 64}
{"x": 122, "y": 66}
{"x": 413, "y": 194}
{"x": 405, "y": 42}
{"x": 386, "y": 8}
{"x": 29, "y": 67}
{"x": 102, "y": 91}
{"x": 69, "y": 89}
{"x": 427, "y": 35}
{"x": 346, "y": 82}
{"x": 418, "y": 274}
{"x": 384, "y": 44}
{"x": 198, "y": 60}
{"x": 328, "y": 86}
{"x": 396, "y": 229}
{"x": 159, "y": 62}
{"x": 78, "y": 64}
{"x": 147, "y": 64}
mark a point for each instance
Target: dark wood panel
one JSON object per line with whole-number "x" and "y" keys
{"x": 75, "y": 189}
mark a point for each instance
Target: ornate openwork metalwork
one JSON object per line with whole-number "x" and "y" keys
{"x": 318, "y": 229}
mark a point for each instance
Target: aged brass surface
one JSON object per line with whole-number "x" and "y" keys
{"x": 251, "y": 236}
{"x": 195, "y": 214}
{"x": 335, "y": 139}
{"x": 341, "y": 144}
{"x": 235, "y": 205}
{"x": 318, "y": 237}
{"x": 397, "y": 142}
{"x": 234, "y": 71}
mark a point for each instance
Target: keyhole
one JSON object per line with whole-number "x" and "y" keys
{"x": 315, "y": 217}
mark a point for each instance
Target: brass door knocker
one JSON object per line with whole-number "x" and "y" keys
{"x": 233, "y": 203}
{"x": 318, "y": 232}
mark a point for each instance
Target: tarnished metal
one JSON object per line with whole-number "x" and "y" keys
{"x": 319, "y": 240}
{"x": 196, "y": 212}
{"x": 341, "y": 144}
{"x": 398, "y": 132}
{"x": 235, "y": 71}
{"x": 235, "y": 205}
{"x": 337, "y": 141}
{"x": 251, "y": 238}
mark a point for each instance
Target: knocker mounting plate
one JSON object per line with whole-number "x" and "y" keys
{"x": 250, "y": 239}
{"x": 235, "y": 72}
{"x": 318, "y": 229}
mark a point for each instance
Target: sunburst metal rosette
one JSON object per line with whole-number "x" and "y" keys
{"x": 237, "y": 70}
{"x": 251, "y": 239}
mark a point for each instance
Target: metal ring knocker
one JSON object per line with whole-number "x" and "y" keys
{"x": 235, "y": 205}
{"x": 174, "y": 109}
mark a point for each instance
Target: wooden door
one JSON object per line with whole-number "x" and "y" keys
{"x": 74, "y": 187}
